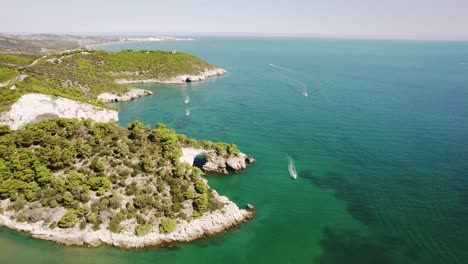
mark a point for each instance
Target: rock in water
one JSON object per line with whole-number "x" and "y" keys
{"x": 251, "y": 160}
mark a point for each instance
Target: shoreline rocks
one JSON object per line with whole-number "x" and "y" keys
{"x": 133, "y": 94}
{"x": 215, "y": 163}
{"x": 34, "y": 107}
{"x": 209, "y": 224}
{"x": 178, "y": 79}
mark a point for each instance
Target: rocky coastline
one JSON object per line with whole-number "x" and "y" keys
{"x": 34, "y": 107}
{"x": 216, "y": 163}
{"x": 207, "y": 225}
{"x": 132, "y": 94}
{"x": 178, "y": 79}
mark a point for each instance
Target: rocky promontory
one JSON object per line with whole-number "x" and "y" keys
{"x": 133, "y": 94}
{"x": 215, "y": 162}
{"x": 209, "y": 224}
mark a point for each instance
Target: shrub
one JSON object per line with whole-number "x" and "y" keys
{"x": 69, "y": 219}
{"x": 143, "y": 230}
{"x": 189, "y": 194}
{"x": 167, "y": 225}
{"x": 19, "y": 204}
{"x": 200, "y": 186}
{"x": 201, "y": 203}
{"x": 96, "y": 183}
{"x": 96, "y": 165}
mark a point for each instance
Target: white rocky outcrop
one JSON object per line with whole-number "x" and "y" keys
{"x": 34, "y": 107}
{"x": 179, "y": 79}
{"x": 216, "y": 163}
{"x": 206, "y": 225}
{"x": 133, "y": 94}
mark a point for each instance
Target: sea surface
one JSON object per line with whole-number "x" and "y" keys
{"x": 380, "y": 144}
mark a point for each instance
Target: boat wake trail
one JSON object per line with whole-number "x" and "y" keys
{"x": 292, "y": 168}
{"x": 281, "y": 68}
{"x": 298, "y": 85}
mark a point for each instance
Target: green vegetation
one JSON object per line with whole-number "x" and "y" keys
{"x": 84, "y": 74}
{"x": 7, "y": 74}
{"x": 16, "y": 60}
{"x": 102, "y": 174}
{"x": 167, "y": 225}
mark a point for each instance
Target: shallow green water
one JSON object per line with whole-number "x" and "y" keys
{"x": 380, "y": 145}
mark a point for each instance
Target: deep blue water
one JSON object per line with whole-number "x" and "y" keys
{"x": 380, "y": 144}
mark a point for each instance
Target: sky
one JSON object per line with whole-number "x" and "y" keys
{"x": 395, "y": 19}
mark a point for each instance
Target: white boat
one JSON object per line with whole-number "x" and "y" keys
{"x": 187, "y": 100}
{"x": 292, "y": 169}
{"x": 306, "y": 94}
{"x": 187, "y": 112}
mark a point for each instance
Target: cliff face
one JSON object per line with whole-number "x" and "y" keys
{"x": 34, "y": 107}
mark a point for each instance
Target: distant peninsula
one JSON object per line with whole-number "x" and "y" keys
{"x": 33, "y": 87}
{"x": 70, "y": 174}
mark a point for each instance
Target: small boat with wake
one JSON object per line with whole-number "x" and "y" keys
{"x": 292, "y": 169}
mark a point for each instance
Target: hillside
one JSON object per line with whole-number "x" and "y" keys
{"x": 83, "y": 75}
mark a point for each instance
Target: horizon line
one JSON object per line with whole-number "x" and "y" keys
{"x": 238, "y": 34}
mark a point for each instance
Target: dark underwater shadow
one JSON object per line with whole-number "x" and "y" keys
{"x": 341, "y": 246}
{"x": 358, "y": 205}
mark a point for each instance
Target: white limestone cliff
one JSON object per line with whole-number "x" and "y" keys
{"x": 133, "y": 94}
{"x": 34, "y": 107}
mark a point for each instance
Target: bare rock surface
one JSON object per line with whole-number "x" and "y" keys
{"x": 179, "y": 79}
{"x": 34, "y": 107}
{"x": 133, "y": 94}
{"x": 221, "y": 164}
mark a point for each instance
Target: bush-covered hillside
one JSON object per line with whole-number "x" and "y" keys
{"x": 82, "y": 75}
{"x": 101, "y": 175}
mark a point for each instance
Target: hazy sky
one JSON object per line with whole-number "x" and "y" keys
{"x": 413, "y": 19}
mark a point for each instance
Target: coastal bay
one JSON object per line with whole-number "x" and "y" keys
{"x": 378, "y": 145}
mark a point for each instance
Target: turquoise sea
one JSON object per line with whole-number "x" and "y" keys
{"x": 380, "y": 145}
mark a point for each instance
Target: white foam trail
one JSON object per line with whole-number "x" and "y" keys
{"x": 292, "y": 168}
{"x": 187, "y": 99}
{"x": 299, "y": 86}
{"x": 281, "y": 67}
